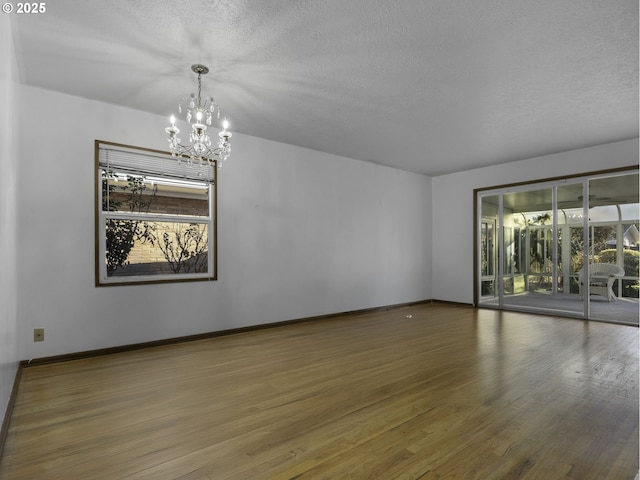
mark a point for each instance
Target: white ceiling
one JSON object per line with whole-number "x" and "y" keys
{"x": 426, "y": 86}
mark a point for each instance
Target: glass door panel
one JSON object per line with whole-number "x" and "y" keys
{"x": 613, "y": 248}
{"x": 570, "y": 248}
{"x": 531, "y": 249}
{"x": 528, "y": 248}
{"x": 488, "y": 267}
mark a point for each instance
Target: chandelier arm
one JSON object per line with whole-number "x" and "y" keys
{"x": 210, "y": 154}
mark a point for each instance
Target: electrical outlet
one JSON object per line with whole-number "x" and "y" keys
{"x": 38, "y": 334}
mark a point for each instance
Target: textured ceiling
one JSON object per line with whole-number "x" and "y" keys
{"x": 429, "y": 87}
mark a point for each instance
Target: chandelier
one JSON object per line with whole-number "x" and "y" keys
{"x": 199, "y": 114}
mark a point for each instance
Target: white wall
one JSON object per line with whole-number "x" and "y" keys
{"x": 301, "y": 233}
{"x": 453, "y": 207}
{"x": 8, "y": 216}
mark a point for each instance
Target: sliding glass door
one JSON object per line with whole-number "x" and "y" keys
{"x": 530, "y": 268}
{"x": 613, "y": 248}
{"x": 541, "y": 248}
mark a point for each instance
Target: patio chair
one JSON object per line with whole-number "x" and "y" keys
{"x": 601, "y": 278}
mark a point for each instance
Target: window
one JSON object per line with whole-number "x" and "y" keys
{"x": 155, "y": 217}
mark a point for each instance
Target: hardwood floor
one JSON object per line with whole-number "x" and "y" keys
{"x": 420, "y": 392}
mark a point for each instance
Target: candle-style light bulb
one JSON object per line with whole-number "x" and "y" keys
{"x": 199, "y": 116}
{"x": 225, "y": 124}
{"x": 172, "y": 119}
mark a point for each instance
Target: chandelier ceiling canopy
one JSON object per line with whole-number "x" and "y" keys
{"x": 199, "y": 113}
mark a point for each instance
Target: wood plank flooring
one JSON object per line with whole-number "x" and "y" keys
{"x": 421, "y": 392}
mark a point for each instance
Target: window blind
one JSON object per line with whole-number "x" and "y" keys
{"x": 137, "y": 162}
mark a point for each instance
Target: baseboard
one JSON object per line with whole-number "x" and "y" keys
{"x": 454, "y": 304}
{"x": 4, "y": 431}
{"x": 203, "y": 336}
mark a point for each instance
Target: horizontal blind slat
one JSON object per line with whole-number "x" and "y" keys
{"x": 150, "y": 163}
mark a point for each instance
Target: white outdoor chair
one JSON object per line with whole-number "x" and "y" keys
{"x": 601, "y": 278}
